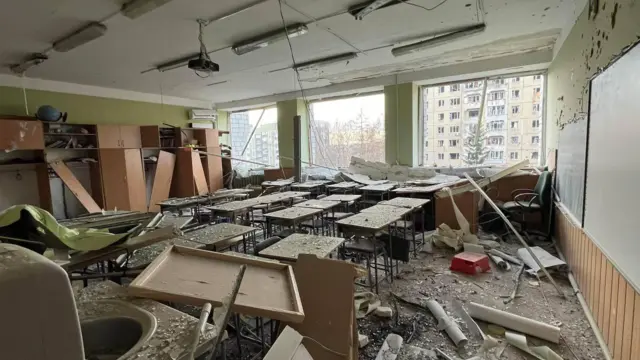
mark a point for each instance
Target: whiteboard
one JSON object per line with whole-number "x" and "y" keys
{"x": 571, "y": 167}
{"x": 612, "y": 202}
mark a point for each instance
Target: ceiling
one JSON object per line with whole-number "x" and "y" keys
{"x": 130, "y": 47}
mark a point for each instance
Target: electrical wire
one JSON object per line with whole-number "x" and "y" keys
{"x": 304, "y": 98}
{"x": 203, "y": 48}
{"x": 423, "y": 7}
{"x": 24, "y": 95}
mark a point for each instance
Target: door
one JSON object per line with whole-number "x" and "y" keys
{"x": 114, "y": 179}
{"x": 108, "y": 136}
{"x": 130, "y": 137}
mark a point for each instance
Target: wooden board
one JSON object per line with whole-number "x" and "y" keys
{"x": 75, "y": 186}
{"x": 341, "y": 197}
{"x": 326, "y": 289}
{"x": 198, "y": 174}
{"x": 195, "y": 277}
{"x": 136, "y": 185}
{"x": 378, "y": 188}
{"x": 162, "y": 180}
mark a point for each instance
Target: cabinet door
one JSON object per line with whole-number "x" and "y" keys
{"x": 109, "y": 136}
{"x": 130, "y": 137}
{"x": 114, "y": 179}
{"x": 137, "y": 187}
{"x": 21, "y": 135}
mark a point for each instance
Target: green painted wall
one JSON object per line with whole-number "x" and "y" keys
{"x": 286, "y": 111}
{"x": 91, "y": 109}
{"x": 223, "y": 124}
{"x": 591, "y": 44}
{"x": 401, "y": 124}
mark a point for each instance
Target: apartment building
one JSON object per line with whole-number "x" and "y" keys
{"x": 513, "y": 120}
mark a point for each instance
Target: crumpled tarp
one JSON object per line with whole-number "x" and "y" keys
{"x": 76, "y": 239}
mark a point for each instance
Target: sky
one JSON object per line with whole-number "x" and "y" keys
{"x": 340, "y": 110}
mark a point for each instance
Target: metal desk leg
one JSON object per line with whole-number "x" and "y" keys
{"x": 375, "y": 261}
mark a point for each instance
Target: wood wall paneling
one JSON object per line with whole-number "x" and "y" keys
{"x": 613, "y": 302}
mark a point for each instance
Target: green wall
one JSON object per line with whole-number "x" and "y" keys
{"x": 401, "y": 124}
{"x": 223, "y": 124}
{"x": 92, "y": 109}
{"x": 591, "y": 44}
{"x": 286, "y": 111}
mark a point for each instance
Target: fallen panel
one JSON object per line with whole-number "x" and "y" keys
{"x": 75, "y": 186}
{"x": 195, "y": 277}
{"x": 162, "y": 180}
{"x": 198, "y": 174}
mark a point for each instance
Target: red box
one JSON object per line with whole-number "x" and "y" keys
{"x": 470, "y": 263}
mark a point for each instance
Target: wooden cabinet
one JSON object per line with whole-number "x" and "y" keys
{"x": 213, "y": 169}
{"x": 118, "y": 137}
{"x": 123, "y": 181}
{"x": 21, "y": 135}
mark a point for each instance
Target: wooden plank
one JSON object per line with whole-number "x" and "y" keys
{"x": 182, "y": 184}
{"x": 592, "y": 277}
{"x": 162, "y": 180}
{"x": 583, "y": 256}
{"x": 635, "y": 336}
{"x": 606, "y": 308}
{"x": 75, "y": 186}
{"x": 597, "y": 291}
{"x": 601, "y": 294}
{"x": 214, "y": 169}
{"x": 611, "y": 334}
{"x": 195, "y": 277}
{"x": 44, "y": 187}
{"x": 136, "y": 185}
{"x": 629, "y": 316}
{"x": 622, "y": 298}
{"x": 198, "y": 174}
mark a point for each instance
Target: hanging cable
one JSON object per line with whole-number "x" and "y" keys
{"x": 423, "y": 7}
{"x": 24, "y": 95}
{"x": 204, "y": 54}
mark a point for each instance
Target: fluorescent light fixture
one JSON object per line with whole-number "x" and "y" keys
{"x": 438, "y": 40}
{"x": 373, "y": 6}
{"x": 136, "y": 8}
{"x": 175, "y": 64}
{"x": 326, "y": 61}
{"x": 236, "y": 11}
{"x": 268, "y": 39}
{"x": 88, "y": 33}
{"x": 33, "y": 60}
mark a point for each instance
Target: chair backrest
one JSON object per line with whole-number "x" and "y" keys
{"x": 543, "y": 189}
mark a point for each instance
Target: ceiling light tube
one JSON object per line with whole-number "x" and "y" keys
{"x": 137, "y": 8}
{"x": 34, "y": 59}
{"x": 438, "y": 40}
{"x": 175, "y": 64}
{"x": 268, "y": 39}
{"x": 88, "y": 33}
{"x": 377, "y": 4}
{"x": 326, "y": 61}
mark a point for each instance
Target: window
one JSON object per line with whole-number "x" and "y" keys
{"x": 496, "y": 125}
{"x": 514, "y": 124}
{"x": 513, "y": 155}
{"x": 515, "y": 109}
{"x": 356, "y": 129}
{"x": 454, "y": 142}
{"x": 455, "y": 101}
{"x": 535, "y": 155}
{"x": 496, "y": 95}
{"x": 536, "y": 108}
{"x": 440, "y": 103}
{"x": 515, "y": 140}
{"x": 473, "y": 99}
{"x": 537, "y": 77}
{"x": 496, "y": 155}
{"x": 470, "y": 85}
{"x": 440, "y": 143}
{"x": 454, "y": 129}
{"x": 496, "y": 110}
{"x": 440, "y": 129}
{"x": 474, "y": 113}
{"x": 535, "y": 124}
{"x": 495, "y": 140}
{"x": 454, "y": 115}
{"x": 454, "y": 87}
{"x": 262, "y": 146}
{"x": 535, "y": 139}
{"x": 515, "y": 79}
{"x": 440, "y": 117}
{"x": 440, "y": 156}
{"x": 454, "y": 156}
{"x": 536, "y": 91}
{"x": 515, "y": 94}
{"x": 441, "y": 89}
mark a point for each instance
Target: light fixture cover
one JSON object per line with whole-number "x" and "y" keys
{"x": 33, "y": 60}
{"x": 178, "y": 63}
{"x": 136, "y": 8}
{"x": 437, "y": 40}
{"x": 373, "y": 6}
{"x": 326, "y": 61}
{"x": 269, "y": 38}
{"x": 88, "y": 33}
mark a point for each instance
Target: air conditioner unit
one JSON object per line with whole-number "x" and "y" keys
{"x": 211, "y": 115}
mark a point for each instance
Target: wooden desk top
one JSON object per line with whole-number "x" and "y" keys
{"x": 318, "y": 204}
{"x": 342, "y": 197}
{"x": 344, "y": 185}
{"x": 411, "y": 203}
{"x": 213, "y": 234}
{"x": 380, "y": 187}
{"x": 369, "y": 221}
{"x": 292, "y": 213}
{"x": 290, "y": 247}
{"x": 387, "y": 209}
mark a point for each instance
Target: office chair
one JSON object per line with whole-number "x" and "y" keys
{"x": 530, "y": 201}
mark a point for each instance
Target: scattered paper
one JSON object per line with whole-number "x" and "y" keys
{"x": 539, "y": 352}
{"x": 547, "y": 260}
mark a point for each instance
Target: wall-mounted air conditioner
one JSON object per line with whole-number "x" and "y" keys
{"x": 197, "y": 114}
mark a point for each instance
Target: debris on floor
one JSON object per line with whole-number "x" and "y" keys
{"x": 383, "y": 312}
{"x": 548, "y": 261}
{"x": 390, "y": 347}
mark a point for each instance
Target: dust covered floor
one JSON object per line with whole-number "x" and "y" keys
{"x": 428, "y": 277}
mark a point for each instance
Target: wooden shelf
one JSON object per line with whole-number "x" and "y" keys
{"x": 68, "y": 134}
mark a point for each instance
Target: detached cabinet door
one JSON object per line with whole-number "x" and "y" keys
{"x": 109, "y": 137}
{"x": 137, "y": 187}
{"x": 114, "y": 179}
{"x": 21, "y": 135}
{"x": 130, "y": 137}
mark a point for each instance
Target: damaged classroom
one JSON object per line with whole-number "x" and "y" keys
{"x": 326, "y": 180}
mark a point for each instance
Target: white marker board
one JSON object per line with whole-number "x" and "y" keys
{"x": 612, "y": 201}
{"x": 571, "y": 167}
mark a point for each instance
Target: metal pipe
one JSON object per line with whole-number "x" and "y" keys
{"x": 204, "y": 316}
{"x": 252, "y": 132}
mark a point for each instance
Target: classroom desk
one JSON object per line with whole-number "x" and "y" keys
{"x": 291, "y": 217}
{"x": 290, "y": 247}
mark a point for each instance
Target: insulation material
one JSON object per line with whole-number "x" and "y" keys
{"x": 547, "y": 260}
{"x": 539, "y": 352}
{"x": 445, "y": 323}
{"x": 382, "y": 171}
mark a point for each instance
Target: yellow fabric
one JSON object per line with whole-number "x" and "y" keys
{"x": 77, "y": 239}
